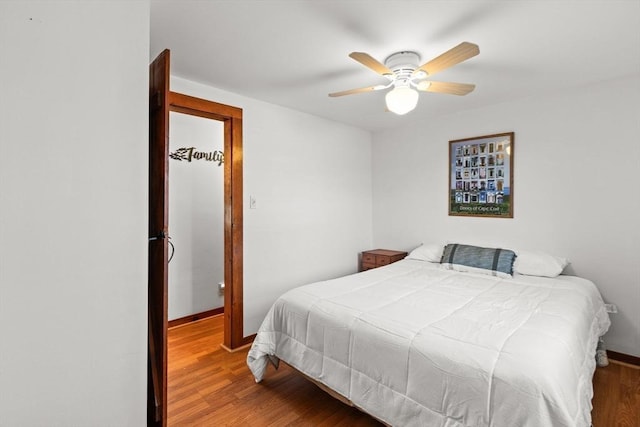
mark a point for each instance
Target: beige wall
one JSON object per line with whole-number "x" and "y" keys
{"x": 576, "y": 158}
{"x": 73, "y": 203}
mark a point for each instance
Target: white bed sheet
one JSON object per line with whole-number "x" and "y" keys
{"x": 414, "y": 344}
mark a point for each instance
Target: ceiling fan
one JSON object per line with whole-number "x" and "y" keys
{"x": 407, "y": 77}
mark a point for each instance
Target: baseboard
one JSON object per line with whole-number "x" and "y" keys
{"x": 237, "y": 349}
{"x": 621, "y": 357}
{"x": 249, "y": 339}
{"x": 193, "y": 317}
{"x": 246, "y": 343}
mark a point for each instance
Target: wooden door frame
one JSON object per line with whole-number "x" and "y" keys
{"x": 233, "y": 216}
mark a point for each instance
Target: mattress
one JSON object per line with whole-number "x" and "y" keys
{"x": 414, "y": 344}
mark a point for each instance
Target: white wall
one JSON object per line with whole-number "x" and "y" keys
{"x": 196, "y": 215}
{"x": 311, "y": 179}
{"x": 73, "y": 227}
{"x": 577, "y": 158}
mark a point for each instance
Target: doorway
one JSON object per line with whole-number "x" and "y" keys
{"x": 161, "y": 102}
{"x": 196, "y": 218}
{"x": 233, "y": 225}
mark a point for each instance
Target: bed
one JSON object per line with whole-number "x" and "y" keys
{"x": 423, "y": 343}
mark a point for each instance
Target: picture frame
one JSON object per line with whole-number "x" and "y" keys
{"x": 481, "y": 176}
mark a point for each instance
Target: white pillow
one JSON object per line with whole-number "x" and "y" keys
{"x": 538, "y": 263}
{"x": 430, "y": 252}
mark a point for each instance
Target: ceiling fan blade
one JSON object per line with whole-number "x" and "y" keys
{"x": 448, "y": 88}
{"x": 456, "y": 55}
{"x": 372, "y": 63}
{"x": 359, "y": 90}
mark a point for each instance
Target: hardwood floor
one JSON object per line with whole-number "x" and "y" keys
{"x": 616, "y": 400}
{"x": 209, "y": 386}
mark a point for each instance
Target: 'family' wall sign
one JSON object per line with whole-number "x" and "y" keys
{"x": 191, "y": 153}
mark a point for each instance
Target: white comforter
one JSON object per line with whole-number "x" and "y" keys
{"x": 416, "y": 345}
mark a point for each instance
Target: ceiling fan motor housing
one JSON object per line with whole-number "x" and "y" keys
{"x": 403, "y": 64}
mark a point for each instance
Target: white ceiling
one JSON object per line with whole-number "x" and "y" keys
{"x": 294, "y": 52}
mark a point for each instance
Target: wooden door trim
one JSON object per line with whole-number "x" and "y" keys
{"x": 233, "y": 206}
{"x": 202, "y": 107}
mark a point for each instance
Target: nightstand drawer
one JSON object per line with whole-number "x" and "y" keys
{"x": 368, "y": 258}
{"x": 383, "y": 260}
{"x": 367, "y": 266}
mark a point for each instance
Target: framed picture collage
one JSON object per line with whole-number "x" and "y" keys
{"x": 481, "y": 176}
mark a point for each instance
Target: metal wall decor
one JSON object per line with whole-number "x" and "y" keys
{"x": 190, "y": 153}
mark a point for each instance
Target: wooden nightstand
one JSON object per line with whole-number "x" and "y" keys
{"x": 380, "y": 257}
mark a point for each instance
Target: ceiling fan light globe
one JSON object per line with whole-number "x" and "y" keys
{"x": 401, "y": 100}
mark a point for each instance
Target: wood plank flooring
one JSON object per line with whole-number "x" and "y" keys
{"x": 616, "y": 400}
{"x": 209, "y": 386}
